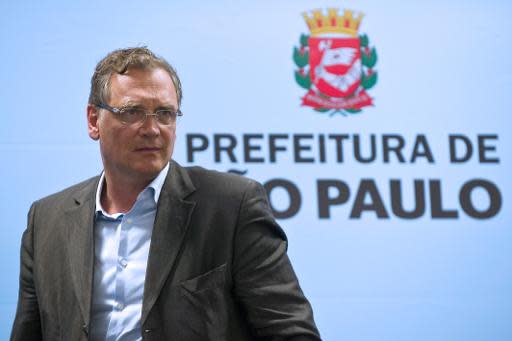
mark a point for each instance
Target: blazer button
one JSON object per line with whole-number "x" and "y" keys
{"x": 84, "y": 329}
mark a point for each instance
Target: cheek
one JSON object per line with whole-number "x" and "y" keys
{"x": 171, "y": 140}
{"x": 116, "y": 141}
{"x": 171, "y": 135}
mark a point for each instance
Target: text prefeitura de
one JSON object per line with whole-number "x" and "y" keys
{"x": 338, "y": 148}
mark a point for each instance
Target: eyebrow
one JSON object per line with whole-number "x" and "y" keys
{"x": 166, "y": 107}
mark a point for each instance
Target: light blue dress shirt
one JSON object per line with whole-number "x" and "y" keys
{"x": 121, "y": 249}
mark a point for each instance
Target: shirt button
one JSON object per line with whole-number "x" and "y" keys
{"x": 123, "y": 262}
{"x": 119, "y": 306}
{"x": 128, "y": 221}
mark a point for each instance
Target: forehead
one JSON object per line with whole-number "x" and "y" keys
{"x": 145, "y": 86}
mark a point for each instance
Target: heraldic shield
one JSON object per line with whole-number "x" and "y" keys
{"x": 335, "y": 63}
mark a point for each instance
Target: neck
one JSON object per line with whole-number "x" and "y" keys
{"x": 118, "y": 195}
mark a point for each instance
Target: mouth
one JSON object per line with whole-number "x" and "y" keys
{"x": 147, "y": 149}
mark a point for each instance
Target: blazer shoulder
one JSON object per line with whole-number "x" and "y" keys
{"x": 212, "y": 180}
{"x": 81, "y": 191}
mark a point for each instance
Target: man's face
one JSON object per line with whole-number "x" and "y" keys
{"x": 140, "y": 151}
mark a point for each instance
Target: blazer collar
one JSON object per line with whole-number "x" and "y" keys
{"x": 169, "y": 233}
{"x": 178, "y": 183}
{"x": 80, "y": 244}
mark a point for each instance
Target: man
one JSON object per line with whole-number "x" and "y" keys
{"x": 150, "y": 250}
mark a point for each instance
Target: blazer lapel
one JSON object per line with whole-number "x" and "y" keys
{"x": 169, "y": 231}
{"x": 80, "y": 219}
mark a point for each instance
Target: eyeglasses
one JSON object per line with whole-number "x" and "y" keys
{"x": 132, "y": 115}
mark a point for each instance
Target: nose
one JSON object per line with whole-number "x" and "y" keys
{"x": 150, "y": 126}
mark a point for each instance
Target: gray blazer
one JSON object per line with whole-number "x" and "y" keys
{"x": 217, "y": 266}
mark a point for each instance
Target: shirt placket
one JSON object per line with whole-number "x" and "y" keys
{"x": 120, "y": 281}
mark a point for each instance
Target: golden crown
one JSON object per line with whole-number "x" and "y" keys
{"x": 332, "y": 22}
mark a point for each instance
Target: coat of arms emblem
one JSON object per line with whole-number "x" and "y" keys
{"x": 335, "y": 64}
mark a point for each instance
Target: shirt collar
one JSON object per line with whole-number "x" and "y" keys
{"x": 156, "y": 185}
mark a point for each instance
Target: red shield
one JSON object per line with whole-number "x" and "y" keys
{"x": 335, "y": 65}
{"x": 335, "y": 71}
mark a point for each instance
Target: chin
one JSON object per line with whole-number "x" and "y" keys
{"x": 150, "y": 169}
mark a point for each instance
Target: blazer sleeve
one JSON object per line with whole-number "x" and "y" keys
{"x": 27, "y": 323}
{"x": 264, "y": 280}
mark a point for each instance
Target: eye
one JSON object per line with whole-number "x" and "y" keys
{"x": 166, "y": 113}
{"x": 166, "y": 116}
{"x": 131, "y": 111}
{"x": 132, "y": 114}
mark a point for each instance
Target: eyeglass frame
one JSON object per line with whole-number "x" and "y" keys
{"x": 118, "y": 111}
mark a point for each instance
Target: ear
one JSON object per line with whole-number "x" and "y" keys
{"x": 92, "y": 122}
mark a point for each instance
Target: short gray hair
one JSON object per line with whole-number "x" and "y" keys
{"x": 119, "y": 62}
